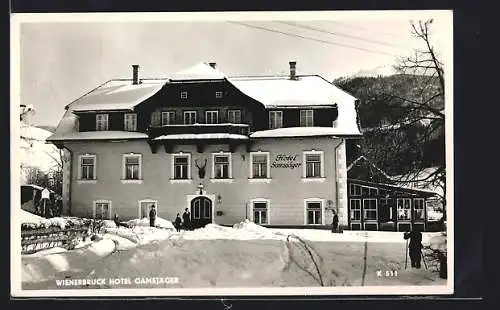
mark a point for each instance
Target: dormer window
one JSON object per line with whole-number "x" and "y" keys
{"x": 306, "y": 118}
{"x": 234, "y": 116}
{"x": 130, "y": 120}
{"x": 101, "y": 122}
{"x": 189, "y": 117}
{"x": 218, "y": 94}
{"x": 275, "y": 119}
{"x": 184, "y": 94}
{"x": 212, "y": 117}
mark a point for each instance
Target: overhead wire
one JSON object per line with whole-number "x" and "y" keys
{"x": 366, "y": 30}
{"x": 313, "y": 39}
{"x": 339, "y": 34}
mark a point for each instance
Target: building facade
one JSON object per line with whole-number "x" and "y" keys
{"x": 267, "y": 149}
{"x": 378, "y": 202}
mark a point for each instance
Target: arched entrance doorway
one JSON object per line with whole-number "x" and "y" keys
{"x": 201, "y": 211}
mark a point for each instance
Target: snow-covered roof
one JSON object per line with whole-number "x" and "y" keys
{"x": 419, "y": 181}
{"x": 300, "y": 132}
{"x": 112, "y": 95}
{"x": 34, "y": 151}
{"x": 396, "y": 186}
{"x": 200, "y": 71}
{"x": 98, "y": 135}
{"x": 117, "y": 95}
{"x": 305, "y": 91}
{"x": 202, "y": 136}
{"x": 34, "y": 186}
{"x": 272, "y": 92}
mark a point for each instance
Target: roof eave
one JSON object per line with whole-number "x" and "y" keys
{"x": 103, "y": 110}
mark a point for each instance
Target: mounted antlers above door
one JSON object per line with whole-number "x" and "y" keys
{"x": 201, "y": 169}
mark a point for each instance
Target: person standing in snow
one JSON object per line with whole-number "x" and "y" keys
{"x": 177, "y": 222}
{"x": 152, "y": 216}
{"x": 185, "y": 219}
{"x": 415, "y": 247}
{"x": 335, "y": 222}
{"x": 45, "y": 202}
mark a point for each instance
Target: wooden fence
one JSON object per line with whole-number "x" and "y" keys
{"x": 33, "y": 240}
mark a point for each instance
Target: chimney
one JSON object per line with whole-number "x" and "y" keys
{"x": 212, "y": 64}
{"x": 293, "y": 70}
{"x": 135, "y": 74}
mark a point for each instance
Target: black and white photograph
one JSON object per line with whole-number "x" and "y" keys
{"x": 232, "y": 153}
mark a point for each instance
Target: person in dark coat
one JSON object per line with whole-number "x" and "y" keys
{"x": 335, "y": 222}
{"x": 186, "y": 220}
{"x": 152, "y": 216}
{"x": 178, "y": 222}
{"x": 415, "y": 247}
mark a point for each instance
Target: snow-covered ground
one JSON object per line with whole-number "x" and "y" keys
{"x": 231, "y": 254}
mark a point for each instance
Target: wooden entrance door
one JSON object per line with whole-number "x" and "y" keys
{"x": 201, "y": 211}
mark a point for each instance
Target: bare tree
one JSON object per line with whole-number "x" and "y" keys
{"x": 425, "y": 108}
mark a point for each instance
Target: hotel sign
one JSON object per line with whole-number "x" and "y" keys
{"x": 286, "y": 161}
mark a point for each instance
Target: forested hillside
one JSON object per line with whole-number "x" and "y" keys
{"x": 400, "y": 116}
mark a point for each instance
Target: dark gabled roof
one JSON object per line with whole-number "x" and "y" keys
{"x": 394, "y": 187}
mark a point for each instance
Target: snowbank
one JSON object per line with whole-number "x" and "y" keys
{"x": 247, "y": 230}
{"x": 30, "y": 218}
{"x": 160, "y": 223}
{"x": 39, "y": 268}
{"x": 120, "y": 242}
{"x": 109, "y": 224}
{"x": 140, "y": 234}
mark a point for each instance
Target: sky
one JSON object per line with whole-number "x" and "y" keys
{"x": 62, "y": 58}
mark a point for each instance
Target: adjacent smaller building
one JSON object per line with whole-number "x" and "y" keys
{"x": 378, "y": 202}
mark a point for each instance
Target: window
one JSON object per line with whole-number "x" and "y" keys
{"x": 212, "y": 117}
{"x": 102, "y": 209}
{"x": 221, "y": 166}
{"x": 130, "y": 120}
{"x": 101, "y": 122}
{"x": 306, "y": 118}
{"x": 355, "y": 209}
{"x": 314, "y": 212}
{"x": 313, "y": 166}
{"x": 87, "y": 167}
{"x": 184, "y": 94}
{"x": 167, "y": 118}
{"x": 404, "y": 209}
{"x": 354, "y": 190}
{"x": 182, "y": 166}
{"x": 275, "y": 119}
{"x": 132, "y": 166}
{"x": 368, "y": 191}
{"x": 234, "y": 116}
{"x": 418, "y": 209}
{"x": 260, "y": 211}
{"x": 260, "y": 168}
{"x": 370, "y": 209}
{"x": 218, "y": 94}
{"x": 189, "y": 117}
